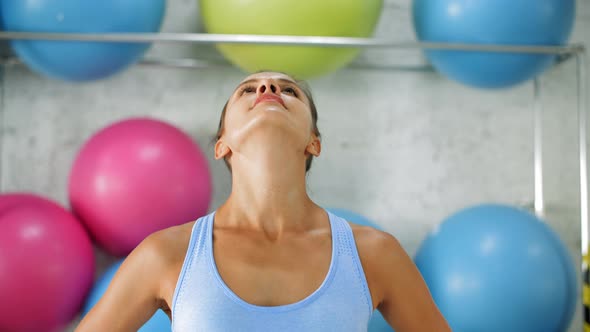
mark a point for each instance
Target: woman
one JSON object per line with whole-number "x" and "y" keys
{"x": 268, "y": 259}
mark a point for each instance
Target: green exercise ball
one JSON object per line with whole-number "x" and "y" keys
{"x": 337, "y": 18}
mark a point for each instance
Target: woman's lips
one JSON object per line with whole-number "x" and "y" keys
{"x": 269, "y": 97}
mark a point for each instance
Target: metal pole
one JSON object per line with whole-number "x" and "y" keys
{"x": 208, "y": 38}
{"x": 583, "y": 153}
{"x": 583, "y": 149}
{"x": 539, "y": 203}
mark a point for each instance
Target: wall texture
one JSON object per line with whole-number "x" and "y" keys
{"x": 403, "y": 146}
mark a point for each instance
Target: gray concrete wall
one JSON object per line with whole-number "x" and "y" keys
{"x": 405, "y": 147}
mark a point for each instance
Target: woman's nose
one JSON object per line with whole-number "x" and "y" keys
{"x": 268, "y": 87}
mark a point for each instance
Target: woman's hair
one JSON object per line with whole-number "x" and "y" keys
{"x": 314, "y": 117}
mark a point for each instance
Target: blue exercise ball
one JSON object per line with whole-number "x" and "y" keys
{"x": 495, "y": 268}
{"x": 377, "y": 322}
{"x": 159, "y": 321}
{"x": 571, "y": 276}
{"x": 509, "y": 22}
{"x": 81, "y": 61}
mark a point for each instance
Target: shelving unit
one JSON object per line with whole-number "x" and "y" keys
{"x": 573, "y": 52}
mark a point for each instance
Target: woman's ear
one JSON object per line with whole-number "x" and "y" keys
{"x": 314, "y": 147}
{"x": 221, "y": 150}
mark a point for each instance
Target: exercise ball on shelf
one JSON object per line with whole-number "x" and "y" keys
{"x": 505, "y": 22}
{"x": 336, "y": 18}
{"x": 503, "y": 260}
{"x": 135, "y": 177}
{"x": 76, "y": 60}
{"x": 46, "y": 264}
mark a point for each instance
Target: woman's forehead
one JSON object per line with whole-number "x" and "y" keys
{"x": 268, "y": 75}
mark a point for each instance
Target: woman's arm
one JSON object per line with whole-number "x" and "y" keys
{"x": 133, "y": 295}
{"x": 397, "y": 287}
{"x": 406, "y": 303}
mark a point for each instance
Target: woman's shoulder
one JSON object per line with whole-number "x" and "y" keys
{"x": 374, "y": 245}
{"x": 168, "y": 245}
{"x": 370, "y": 239}
{"x": 163, "y": 249}
{"x": 382, "y": 257}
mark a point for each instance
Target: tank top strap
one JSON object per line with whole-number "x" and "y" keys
{"x": 347, "y": 248}
{"x": 196, "y": 247}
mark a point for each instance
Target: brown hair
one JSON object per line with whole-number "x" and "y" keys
{"x": 314, "y": 117}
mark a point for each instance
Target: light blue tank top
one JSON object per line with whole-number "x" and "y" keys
{"x": 203, "y": 302}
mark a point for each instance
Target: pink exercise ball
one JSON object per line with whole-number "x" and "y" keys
{"x": 9, "y": 200}
{"x": 135, "y": 177}
{"x": 46, "y": 264}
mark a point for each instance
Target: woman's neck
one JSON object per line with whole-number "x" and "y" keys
{"x": 268, "y": 194}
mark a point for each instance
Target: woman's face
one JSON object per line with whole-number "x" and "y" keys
{"x": 268, "y": 102}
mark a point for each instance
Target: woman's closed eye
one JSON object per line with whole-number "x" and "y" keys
{"x": 247, "y": 89}
{"x": 289, "y": 90}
